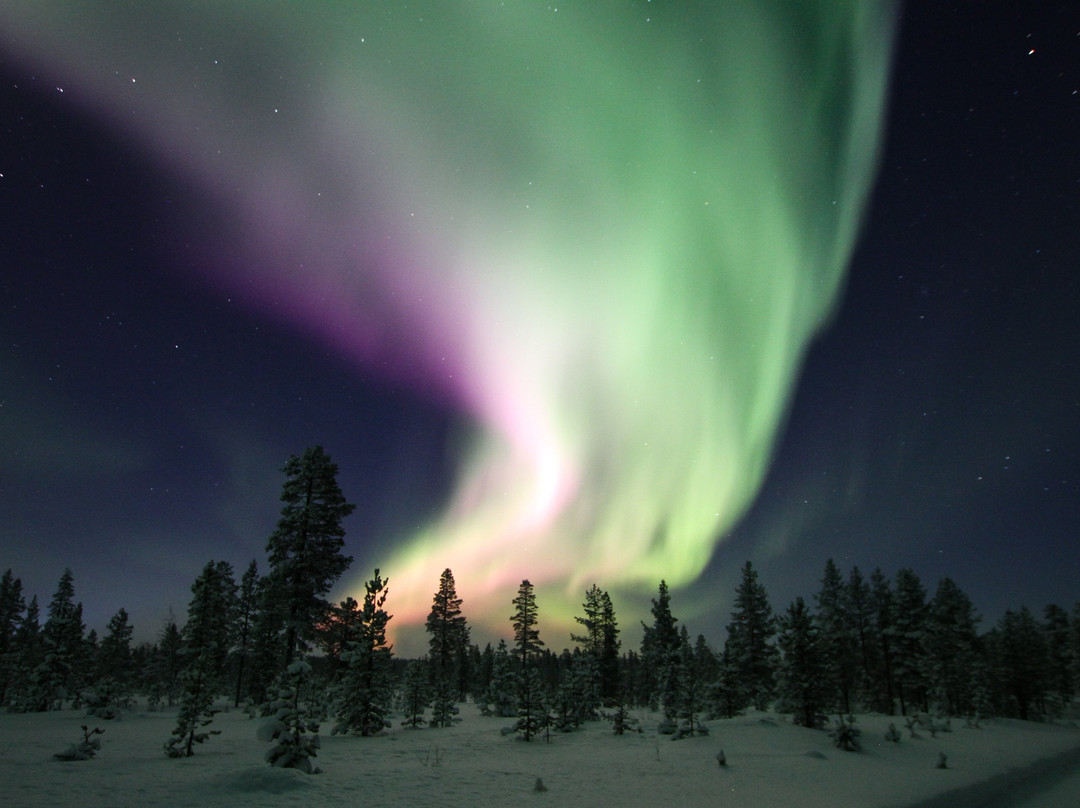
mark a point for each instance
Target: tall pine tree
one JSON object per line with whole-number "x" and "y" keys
{"x": 804, "y": 685}
{"x": 367, "y": 686}
{"x": 205, "y": 644}
{"x": 752, "y": 627}
{"x": 305, "y": 550}
{"x": 448, "y": 647}
{"x": 527, "y": 645}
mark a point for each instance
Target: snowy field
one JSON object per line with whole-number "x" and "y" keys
{"x": 770, "y": 763}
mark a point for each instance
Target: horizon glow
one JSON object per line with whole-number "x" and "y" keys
{"x": 608, "y": 234}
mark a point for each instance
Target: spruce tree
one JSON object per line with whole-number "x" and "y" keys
{"x": 290, "y": 724}
{"x": 305, "y": 550}
{"x": 205, "y": 638}
{"x": 951, "y": 649}
{"x": 415, "y": 693}
{"x": 58, "y": 677}
{"x": 752, "y": 627}
{"x": 600, "y": 639}
{"x": 367, "y": 686}
{"x": 12, "y": 607}
{"x": 858, "y": 602}
{"x": 527, "y": 645}
{"x": 27, "y": 655}
{"x": 243, "y": 627}
{"x": 165, "y": 665}
{"x": 907, "y": 634}
{"x": 115, "y": 668}
{"x": 659, "y": 648}
{"x": 500, "y": 696}
{"x": 448, "y": 644}
{"x": 804, "y": 686}
{"x": 837, "y": 637}
{"x": 1020, "y": 663}
{"x": 885, "y": 687}
{"x": 1060, "y": 683}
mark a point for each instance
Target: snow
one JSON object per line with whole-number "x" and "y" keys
{"x": 770, "y": 762}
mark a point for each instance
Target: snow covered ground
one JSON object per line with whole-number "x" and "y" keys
{"x": 770, "y": 763}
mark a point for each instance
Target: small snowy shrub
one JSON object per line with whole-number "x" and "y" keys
{"x": 911, "y": 722}
{"x": 845, "y": 734}
{"x": 294, "y": 748}
{"x": 86, "y": 748}
{"x": 892, "y": 734}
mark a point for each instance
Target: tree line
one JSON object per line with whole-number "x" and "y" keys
{"x": 275, "y": 645}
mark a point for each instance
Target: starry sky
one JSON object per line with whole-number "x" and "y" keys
{"x": 573, "y": 295}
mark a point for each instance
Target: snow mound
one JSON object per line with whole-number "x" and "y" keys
{"x": 263, "y": 780}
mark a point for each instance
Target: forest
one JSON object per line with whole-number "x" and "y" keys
{"x": 273, "y": 645}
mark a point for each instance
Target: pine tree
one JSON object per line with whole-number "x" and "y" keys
{"x": 12, "y": 607}
{"x": 837, "y": 637}
{"x": 448, "y": 644}
{"x": 57, "y": 678}
{"x": 907, "y": 634}
{"x": 367, "y": 684}
{"x": 1060, "y": 683}
{"x": 165, "y": 666}
{"x": 885, "y": 687}
{"x": 415, "y": 693}
{"x": 243, "y": 627}
{"x": 305, "y": 550}
{"x": 804, "y": 687}
{"x": 951, "y": 648}
{"x": 600, "y": 639}
{"x": 288, "y": 728}
{"x": 205, "y": 638}
{"x": 1021, "y": 663}
{"x": 500, "y": 695}
{"x": 752, "y": 627}
{"x": 27, "y": 655}
{"x": 659, "y": 648}
{"x": 527, "y": 645}
{"x": 858, "y": 602}
{"x": 115, "y": 669}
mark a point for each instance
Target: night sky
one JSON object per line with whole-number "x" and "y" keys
{"x": 487, "y": 259}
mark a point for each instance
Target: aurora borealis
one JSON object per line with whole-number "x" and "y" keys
{"x": 599, "y": 240}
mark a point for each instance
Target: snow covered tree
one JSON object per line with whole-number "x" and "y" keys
{"x": 804, "y": 687}
{"x": 290, "y": 724}
{"x": 305, "y": 550}
{"x": 527, "y": 645}
{"x": 500, "y": 696}
{"x": 27, "y": 656}
{"x": 951, "y": 648}
{"x": 114, "y": 675}
{"x": 659, "y": 649}
{"x": 600, "y": 639}
{"x": 205, "y": 638}
{"x": 837, "y": 639}
{"x": 367, "y": 686}
{"x": 448, "y": 646}
{"x": 752, "y": 627}
{"x": 59, "y": 676}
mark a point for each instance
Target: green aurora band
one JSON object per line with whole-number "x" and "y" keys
{"x": 609, "y": 229}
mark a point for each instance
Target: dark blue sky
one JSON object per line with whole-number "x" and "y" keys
{"x": 143, "y": 418}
